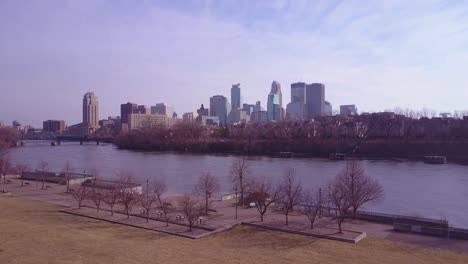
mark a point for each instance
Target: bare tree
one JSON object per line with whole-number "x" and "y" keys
{"x": 240, "y": 175}
{"x": 5, "y": 166}
{"x": 43, "y": 167}
{"x": 159, "y": 188}
{"x": 359, "y": 187}
{"x": 67, "y": 170}
{"x": 129, "y": 196}
{"x": 21, "y": 168}
{"x": 340, "y": 199}
{"x": 206, "y": 186}
{"x": 80, "y": 195}
{"x": 147, "y": 199}
{"x": 166, "y": 208}
{"x": 111, "y": 196}
{"x": 312, "y": 206}
{"x": 291, "y": 194}
{"x": 96, "y": 195}
{"x": 264, "y": 193}
{"x": 192, "y": 208}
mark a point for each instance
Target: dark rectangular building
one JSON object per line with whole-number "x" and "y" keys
{"x": 125, "y": 110}
{"x": 315, "y": 100}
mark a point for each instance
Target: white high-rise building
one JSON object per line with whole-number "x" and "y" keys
{"x": 90, "y": 113}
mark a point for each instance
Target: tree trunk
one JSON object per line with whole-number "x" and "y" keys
{"x": 112, "y": 210}
{"x": 287, "y": 220}
{"x": 147, "y": 216}
{"x": 354, "y": 212}
{"x": 261, "y": 217}
{"x": 206, "y": 205}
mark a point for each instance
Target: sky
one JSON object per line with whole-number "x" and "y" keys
{"x": 377, "y": 54}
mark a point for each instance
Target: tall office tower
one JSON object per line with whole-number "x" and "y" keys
{"x": 219, "y": 106}
{"x": 315, "y": 99}
{"x": 275, "y": 103}
{"x": 90, "y": 113}
{"x": 236, "y": 96}
{"x": 125, "y": 110}
{"x": 298, "y": 91}
{"x": 296, "y": 109}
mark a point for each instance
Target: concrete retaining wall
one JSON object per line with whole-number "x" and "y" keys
{"x": 457, "y": 233}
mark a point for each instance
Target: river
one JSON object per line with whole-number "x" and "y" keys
{"x": 411, "y": 187}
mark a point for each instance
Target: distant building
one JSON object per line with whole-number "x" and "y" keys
{"x": 125, "y": 110}
{"x": 202, "y": 111}
{"x": 16, "y": 125}
{"x": 163, "y": 109}
{"x": 315, "y": 100}
{"x": 348, "y": 110}
{"x": 328, "y": 109}
{"x": 187, "y": 117}
{"x": 237, "y": 116}
{"x": 220, "y": 107}
{"x": 139, "y": 121}
{"x": 143, "y": 109}
{"x": 236, "y": 96}
{"x": 110, "y": 121}
{"x": 55, "y": 126}
{"x": 298, "y": 92}
{"x": 275, "y": 103}
{"x": 90, "y": 113}
{"x": 296, "y": 110}
{"x": 259, "y": 117}
{"x": 207, "y": 120}
{"x": 248, "y": 108}
{"x": 258, "y": 107}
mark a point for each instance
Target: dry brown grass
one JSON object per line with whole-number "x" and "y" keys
{"x": 34, "y": 232}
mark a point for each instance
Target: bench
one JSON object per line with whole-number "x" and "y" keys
{"x": 180, "y": 217}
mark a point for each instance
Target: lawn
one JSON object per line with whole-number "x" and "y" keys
{"x": 35, "y": 232}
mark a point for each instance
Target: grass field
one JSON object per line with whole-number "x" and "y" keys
{"x": 34, "y": 232}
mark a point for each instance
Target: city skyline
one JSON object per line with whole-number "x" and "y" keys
{"x": 125, "y": 55}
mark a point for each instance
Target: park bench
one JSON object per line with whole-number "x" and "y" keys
{"x": 159, "y": 214}
{"x": 179, "y": 217}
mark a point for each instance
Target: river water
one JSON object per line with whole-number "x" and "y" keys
{"x": 411, "y": 188}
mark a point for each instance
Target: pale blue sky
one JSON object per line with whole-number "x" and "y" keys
{"x": 376, "y": 54}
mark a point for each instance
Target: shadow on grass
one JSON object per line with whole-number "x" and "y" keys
{"x": 245, "y": 236}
